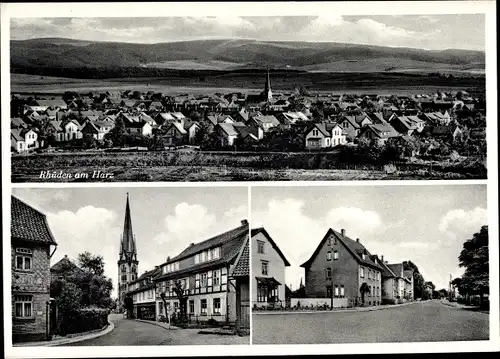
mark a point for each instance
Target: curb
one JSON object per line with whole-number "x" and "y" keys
{"x": 464, "y": 307}
{"x": 76, "y": 339}
{"x": 157, "y": 324}
{"x": 371, "y": 309}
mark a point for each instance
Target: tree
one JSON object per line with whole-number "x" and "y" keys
{"x": 457, "y": 283}
{"x": 202, "y": 135}
{"x": 69, "y": 297}
{"x": 117, "y": 134}
{"x": 419, "y": 288}
{"x": 474, "y": 257}
{"x": 92, "y": 263}
{"x": 179, "y": 290}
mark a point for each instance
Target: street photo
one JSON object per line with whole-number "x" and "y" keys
{"x": 360, "y": 264}
{"x": 130, "y": 267}
{"x": 248, "y": 98}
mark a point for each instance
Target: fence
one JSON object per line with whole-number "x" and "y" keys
{"x": 307, "y": 302}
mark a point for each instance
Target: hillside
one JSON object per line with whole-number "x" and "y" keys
{"x": 237, "y": 54}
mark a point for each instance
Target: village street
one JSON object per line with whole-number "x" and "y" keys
{"x": 418, "y": 322}
{"x": 132, "y": 332}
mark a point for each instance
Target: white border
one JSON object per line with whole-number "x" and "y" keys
{"x": 256, "y": 9}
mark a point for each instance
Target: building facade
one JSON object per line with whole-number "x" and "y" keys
{"x": 127, "y": 260}
{"x": 143, "y": 294}
{"x": 201, "y": 273}
{"x": 343, "y": 268}
{"x": 268, "y": 270}
{"x": 32, "y": 245}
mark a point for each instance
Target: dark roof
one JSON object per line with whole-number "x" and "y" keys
{"x": 386, "y": 271}
{"x": 256, "y": 231}
{"x": 397, "y": 269}
{"x": 382, "y": 130}
{"x": 354, "y": 247}
{"x": 242, "y": 264}
{"x": 65, "y": 264}
{"x": 29, "y": 224}
{"x": 408, "y": 273}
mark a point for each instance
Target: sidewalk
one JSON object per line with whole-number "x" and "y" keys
{"x": 335, "y": 310}
{"x": 463, "y": 306}
{"x": 72, "y": 338}
{"x": 159, "y": 324}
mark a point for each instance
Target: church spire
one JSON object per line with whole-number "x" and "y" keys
{"x": 267, "y": 88}
{"x": 128, "y": 249}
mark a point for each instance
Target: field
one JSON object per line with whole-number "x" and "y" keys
{"x": 201, "y": 167}
{"x": 250, "y": 82}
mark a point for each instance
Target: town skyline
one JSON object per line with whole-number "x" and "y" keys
{"x": 432, "y": 241}
{"x": 430, "y": 32}
{"x": 161, "y": 220}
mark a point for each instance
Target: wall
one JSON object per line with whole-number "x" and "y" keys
{"x": 35, "y": 282}
{"x": 375, "y": 298}
{"x": 306, "y": 302}
{"x": 344, "y": 272}
{"x": 275, "y": 267}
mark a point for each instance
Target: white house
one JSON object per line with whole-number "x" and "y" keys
{"x": 268, "y": 270}
{"x": 23, "y": 140}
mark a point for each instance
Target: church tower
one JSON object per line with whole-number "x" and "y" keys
{"x": 127, "y": 261}
{"x": 268, "y": 94}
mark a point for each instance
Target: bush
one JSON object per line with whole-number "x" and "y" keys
{"x": 83, "y": 320}
{"x": 212, "y": 322}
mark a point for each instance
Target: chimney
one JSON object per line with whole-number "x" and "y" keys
{"x": 168, "y": 259}
{"x": 66, "y": 256}
{"x": 192, "y": 244}
{"x": 342, "y": 231}
{"x": 244, "y": 222}
{"x": 382, "y": 259}
{"x": 357, "y": 240}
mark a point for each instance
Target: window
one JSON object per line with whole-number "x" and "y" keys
{"x": 203, "y": 304}
{"x": 362, "y": 272}
{"x": 216, "y": 306}
{"x": 124, "y": 277}
{"x": 260, "y": 247}
{"x": 197, "y": 258}
{"x": 328, "y": 256}
{"x": 203, "y": 280}
{"x": 191, "y": 306}
{"x": 176, "y": 306}
{"x": 264, "y": 267}
{"x": 23, "y": 306}
{"x": 336, "y": 290}
{"x": 262, "y": 293}
{"x": 342, "y": 291}
{"x": 161, "y": 308}
{"x": 216, "y": 277}
{"x": 23, "y": 259}
{"x": 203, "y": 257}
{"x": 216, "y": 253}
{"x": 335, "y": 255}
{"x": 328, "y": 272}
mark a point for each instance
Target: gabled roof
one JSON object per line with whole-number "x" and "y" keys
{"x": 178, "y": 126}
{"x": 321, "y": 127}
{"x": 29, "y": 224}
{"x": 397, "y": 269}
{"x": 65, "y": 264}
{"x": 228, "y": 128}
{"x": 354, "y": 247}
{"x": 17, "y": 122}
{"x": 256, "y": 231}
{"x": 382, "y": 130}
{"x": 351, "y": 120}
{"x": 16, "y": 134}
{"x": 51, "y": 103}
{"x": 386, "y": 271}
{"x": 230, "y": 241}
{"x": 267, "y": 119}
{"x": 242, "y": 264}
{"x": 407, "y": 273}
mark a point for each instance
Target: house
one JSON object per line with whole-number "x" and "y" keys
{"x": 144, "y": 128}
{"x": 380, "y": 133}
{"x": 18, "y": 123}
{"x": 202, "y": 271}
{"x": 43, "y": 105}
{"x": 397, "y": 283}
{"x": 453, "y": 133}
{"x": 71, "y": 130}
{"x": 317, "y": 136}
{"x": 338, "y": 135}
{"x": 350, "y": 126}
{"x": 227, "y": 133}
{"x": 264, "y": 122}
{"x": 343, "y": 271}
{"x": 241, "y": 276}
{"x": 175, "y": 135}
{"x": 406, "y": 125}
{"x": 23, "y": 140}
{"x": 143, "y": 294}
{"x": 63, "y": 269}
{"x": 97, "y": 129}
{"x": 268, "y": 270}
{"x": 249, "y": 135}
{"x": 32, "y": 246}
{"x": 436, "y": 118}
{"x": 287, "y": 118}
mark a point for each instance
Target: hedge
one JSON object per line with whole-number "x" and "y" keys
{"x": 83, "y": 320}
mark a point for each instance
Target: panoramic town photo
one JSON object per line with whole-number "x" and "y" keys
{"x": 126, "y": 267}
{"x": 380, "y": 264}
{"x": 242, "y": 98}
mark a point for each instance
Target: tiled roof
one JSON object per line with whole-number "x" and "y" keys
{"x": 397, "y": 269}
{"x": 64, "y": 264}
{"x": 355, "y": 247}
{"x": 229, "y": 129}
{"x": 29, "y": 224}
{"x": 383, "y": 130}
{"x": 242, "y": 265}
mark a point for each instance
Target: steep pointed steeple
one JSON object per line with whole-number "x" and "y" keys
{"x": 267, "y": 88}
{"x": 128, "y": 248}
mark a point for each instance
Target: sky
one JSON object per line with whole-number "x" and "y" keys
{"x": 165, "y": 220}
{"x": 425, "y": 224}
{"x": 433, "y": 32}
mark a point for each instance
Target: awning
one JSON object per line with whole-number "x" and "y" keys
{"x": 268, "y": 281}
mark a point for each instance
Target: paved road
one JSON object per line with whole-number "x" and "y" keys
{"x": 422, "y": 321}
{"x": 131, "y": 332}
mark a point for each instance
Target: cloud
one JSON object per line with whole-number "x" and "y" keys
{"x": 459, "y": 225}
{"x": 86, "y": 230}
{"x": 415, "y": 245}
{"x": 240, "y": 212}
{"x": 286, "y": 219}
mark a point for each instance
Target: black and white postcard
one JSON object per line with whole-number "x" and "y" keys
{"x": 249, "y": 178}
